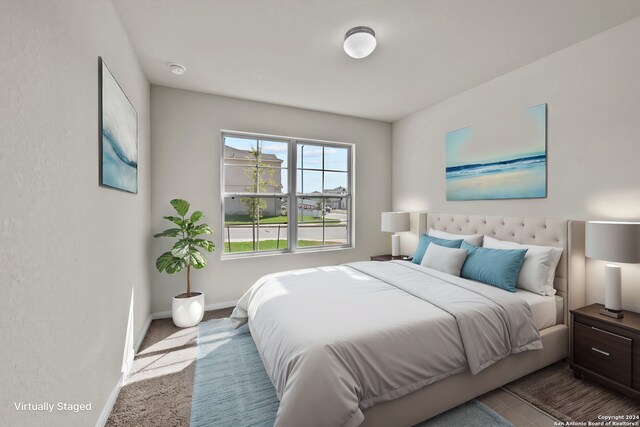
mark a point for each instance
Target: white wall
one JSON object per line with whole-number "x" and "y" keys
{"x": 593, "y": 94}
{"x": 70, "y": 252}
{"x": 186, "y": 164}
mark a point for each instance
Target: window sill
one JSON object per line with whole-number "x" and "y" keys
{"x": 248, "y": 255}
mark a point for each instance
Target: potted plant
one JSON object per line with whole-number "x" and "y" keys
{"x": 187, "y": 308}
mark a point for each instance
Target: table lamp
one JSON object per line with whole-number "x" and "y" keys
{"x": 613, "y": 242}
{"x": 395, "y": 222}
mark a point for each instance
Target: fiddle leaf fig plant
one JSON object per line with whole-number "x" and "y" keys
{"x": 186, "y": 251}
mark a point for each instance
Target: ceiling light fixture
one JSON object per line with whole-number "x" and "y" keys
{"x": 176, "y": 69}
{"x": 359, "y": 42}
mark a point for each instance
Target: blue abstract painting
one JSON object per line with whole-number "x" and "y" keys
{"x": 479, "y": 167}
{"x": 119, "y": 135}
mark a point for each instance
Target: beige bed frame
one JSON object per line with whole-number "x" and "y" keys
{"x": 569, "y": 283}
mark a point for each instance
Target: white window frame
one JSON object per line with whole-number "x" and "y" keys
{"x": 292, "y": 195}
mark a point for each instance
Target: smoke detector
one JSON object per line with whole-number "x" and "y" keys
{"x": 176, "y": 68}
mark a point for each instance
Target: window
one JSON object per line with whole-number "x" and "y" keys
{"x": 285, "y": 194}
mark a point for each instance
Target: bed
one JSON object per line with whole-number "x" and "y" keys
{"x": 392, "y": 344}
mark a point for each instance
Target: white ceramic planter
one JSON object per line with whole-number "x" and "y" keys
{"x": 188, "y": 312}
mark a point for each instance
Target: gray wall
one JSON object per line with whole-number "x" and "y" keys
{"x": 593, "y": 94}
{"x": 71, "y": 253}
{"x": 186, "y": 163}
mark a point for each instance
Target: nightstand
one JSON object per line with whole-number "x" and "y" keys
{"x": 390, "y": 257}
{"x": 605, "y": 349}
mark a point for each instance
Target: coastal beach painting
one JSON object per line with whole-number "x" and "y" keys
{"x": 487, "y": 165}
{"x": 118, "y": 135}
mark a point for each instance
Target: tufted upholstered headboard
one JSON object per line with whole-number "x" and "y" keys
{"x": 533, "y": 231}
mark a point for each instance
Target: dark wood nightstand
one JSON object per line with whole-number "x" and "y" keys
{"x": 605, "y": 349}
{"x": 390, "y": 257}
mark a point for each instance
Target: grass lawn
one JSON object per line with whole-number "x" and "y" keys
{"x": 245, "y": 220}
{"x": 266, "y": 245}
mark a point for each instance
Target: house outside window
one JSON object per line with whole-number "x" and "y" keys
{"x": 256, "y": 194}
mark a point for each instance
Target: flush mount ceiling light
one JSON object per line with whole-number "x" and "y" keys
{"x": 359, "y": 42}
{"x": 176, "y": 69}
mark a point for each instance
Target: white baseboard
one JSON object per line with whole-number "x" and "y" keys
{"x": 208, "y": 307}
{"x": 219, "y": 305}
{"x": 138, "y": 343}
{"x": 108, "y": 407}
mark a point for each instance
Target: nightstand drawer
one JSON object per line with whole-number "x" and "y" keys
{"x": 603, "y": 352}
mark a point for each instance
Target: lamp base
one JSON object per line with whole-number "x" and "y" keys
{"x": 616, "y": 314}
{"x": 612, "y": 292}
{"x": 395, "y": 245}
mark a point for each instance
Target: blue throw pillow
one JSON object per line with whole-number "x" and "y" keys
{"x": 496, "y": 267}
{"x": 424, "y": 242}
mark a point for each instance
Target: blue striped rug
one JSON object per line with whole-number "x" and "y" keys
{"x": 230, "y": 386}
{"x": 470, "y": 414}
{"x": 232, "y": 389}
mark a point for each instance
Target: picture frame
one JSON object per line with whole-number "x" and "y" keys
{"x": 118, "y": 134}
{"x": 499, "y": 161}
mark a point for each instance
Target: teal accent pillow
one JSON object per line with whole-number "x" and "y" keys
{"x": 424, "y": 242}
{"x": 496, "y": 267}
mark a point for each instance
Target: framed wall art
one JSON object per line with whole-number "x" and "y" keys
{"x": 118, "y": 122}
{"x": 488, "y": 164}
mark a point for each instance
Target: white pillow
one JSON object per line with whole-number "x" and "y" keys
{"x": 539, "y": 267}
{"x": 447, "y": 260}
{"x": 472, "y": 239}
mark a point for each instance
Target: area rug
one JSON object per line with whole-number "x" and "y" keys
{"x": 557, "y": 392}
{"x": 231, "y": 387}
{"x": 470, "y": 414}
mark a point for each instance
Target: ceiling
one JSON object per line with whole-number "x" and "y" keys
{"x": 289, "y": 52}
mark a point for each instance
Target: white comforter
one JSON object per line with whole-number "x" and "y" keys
{"x": 336, "y": 340}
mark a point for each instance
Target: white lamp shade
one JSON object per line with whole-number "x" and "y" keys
{"x": 613, "y": 241}
{"x": 359, "y": 42}
{"x": 395, "y": 221}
